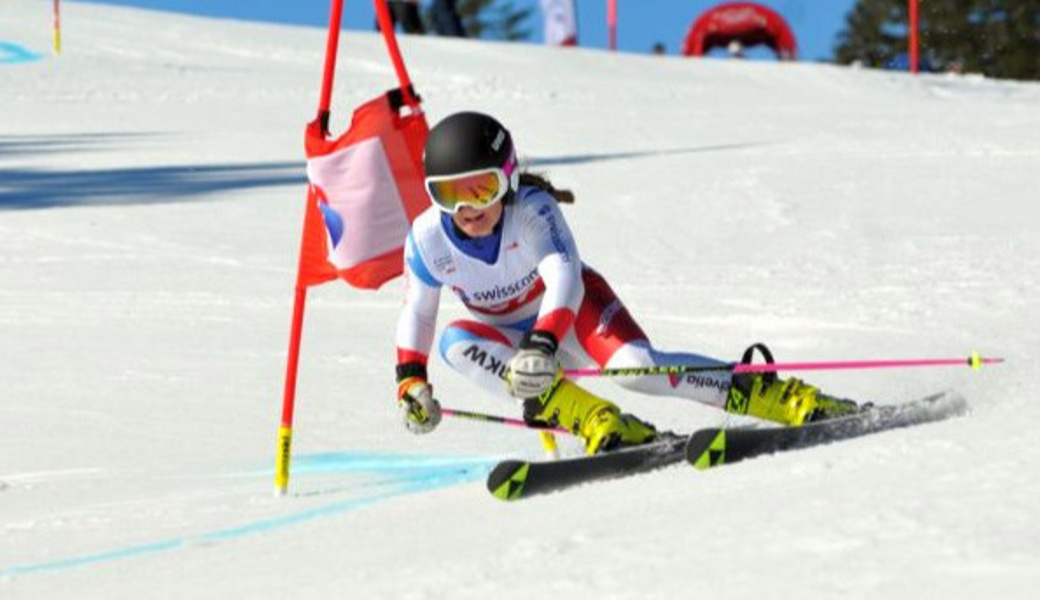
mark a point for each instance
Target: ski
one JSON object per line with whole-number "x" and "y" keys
{"x": 516, "y": 479}
{"x": 713, "y": 447}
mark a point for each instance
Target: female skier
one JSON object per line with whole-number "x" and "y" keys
{"x": 498, "y": 240}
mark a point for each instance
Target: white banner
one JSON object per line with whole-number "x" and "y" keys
{"x": 561, "y": 22}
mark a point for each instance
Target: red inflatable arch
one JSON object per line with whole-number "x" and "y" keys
{"x": 746, "y": 22}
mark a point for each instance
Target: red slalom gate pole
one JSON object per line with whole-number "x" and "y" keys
{"x": 284, "y": 452}
{"x": 284, "y": 456}
{"x": 331, "y": 50}
{"x": 57, "y": 27}
{"x": 386, "y": 25}
{"x": 913, "y": 38}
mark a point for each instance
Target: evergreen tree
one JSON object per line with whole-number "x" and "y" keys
{"x": 874, "y": 33}
{"x": 999, "y": 38}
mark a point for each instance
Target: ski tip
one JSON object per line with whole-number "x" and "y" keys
{"x": 506, "y": 481}
{"x": 707, "y": 448}
{"x": 949, "y": 403}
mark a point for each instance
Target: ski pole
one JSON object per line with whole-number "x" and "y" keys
{"x": 545, "y": 434}
{"x": 475, "y": 416}
{"x": 974, "y": 361}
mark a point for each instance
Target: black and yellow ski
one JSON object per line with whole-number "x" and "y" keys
{"x": 517, "y": 479}
{"x": 709, "y": 448}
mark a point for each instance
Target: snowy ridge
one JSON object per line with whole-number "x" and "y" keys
{"x": 151, "y": 196}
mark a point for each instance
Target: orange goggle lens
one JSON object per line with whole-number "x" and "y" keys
{"x": 478, "y": 190}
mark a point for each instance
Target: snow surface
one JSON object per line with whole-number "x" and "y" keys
{"x": 151, "y": 197}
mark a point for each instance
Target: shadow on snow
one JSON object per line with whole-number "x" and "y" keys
{"x": 34, "y": 188}
{"x": 591, "y": 158}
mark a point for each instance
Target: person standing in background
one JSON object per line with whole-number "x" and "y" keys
{"x": 446, "y": 19}
{"x": 406, "y": 12}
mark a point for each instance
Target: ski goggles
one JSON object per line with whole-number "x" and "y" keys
{"x": 477, "y": 189}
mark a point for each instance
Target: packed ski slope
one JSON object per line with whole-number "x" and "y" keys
{"x": 151, "y": 196}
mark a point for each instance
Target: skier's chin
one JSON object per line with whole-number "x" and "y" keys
{"x": 477, "y": 223}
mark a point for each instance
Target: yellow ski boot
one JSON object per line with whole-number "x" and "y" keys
{"x": 599, "y": 422}
{"x": 784, "y": 401}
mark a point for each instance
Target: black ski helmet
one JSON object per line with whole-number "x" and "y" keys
{"x": 467, "y": 141}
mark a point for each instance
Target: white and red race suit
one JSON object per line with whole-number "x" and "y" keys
{"x": 527, "y": 275}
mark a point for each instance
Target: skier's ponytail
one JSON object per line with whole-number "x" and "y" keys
{"x": 541, "y": 182}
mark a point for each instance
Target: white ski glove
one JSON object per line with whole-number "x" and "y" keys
{"x": 419, "y": 411}
{"x": 533, "y": 369}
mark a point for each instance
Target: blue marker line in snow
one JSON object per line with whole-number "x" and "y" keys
{"x": 416, "y": 474}
{"x": 369, "y": 462}
{"x": 13, "y": 54}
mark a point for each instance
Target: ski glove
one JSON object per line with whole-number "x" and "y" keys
{"x": 419, "y": 411}
{"x": 533, "y": 369}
